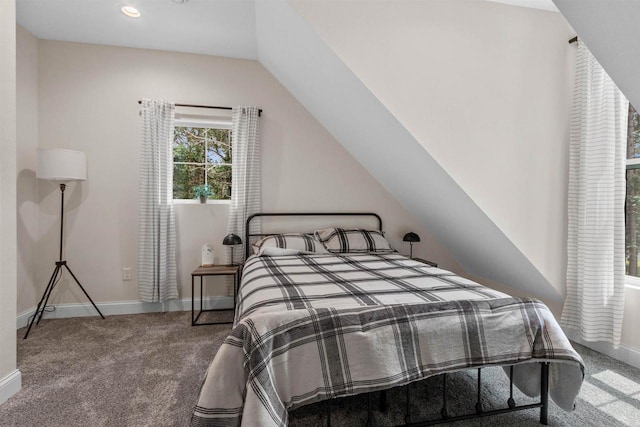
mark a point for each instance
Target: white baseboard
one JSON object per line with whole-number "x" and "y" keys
{"x": 10, "y": 385}
{"x": 124, "y": 307}
{"x": 624, "y": 353}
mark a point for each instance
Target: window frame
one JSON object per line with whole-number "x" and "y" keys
{"x": 208, "y": 124}
{"x": 632, "y": 282}
{"x": 630, "y": 164}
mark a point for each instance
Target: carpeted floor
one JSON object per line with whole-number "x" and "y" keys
{"x": 146, "y": 370}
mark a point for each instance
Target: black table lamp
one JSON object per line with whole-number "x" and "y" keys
{"x": 232, "y": 240}
{"x": 411, "y": 238}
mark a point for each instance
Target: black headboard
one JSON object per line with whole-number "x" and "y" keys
{"x": 248, "y": 235}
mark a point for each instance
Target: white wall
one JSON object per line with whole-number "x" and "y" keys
{"x": 631, "y": 320}
{"x": 88, "y": 101}
{"x": 27, "y": 138}
{"x": 295, "y": 53}
{"x": 9, "y": 376}
{"x": 486, "y": 90}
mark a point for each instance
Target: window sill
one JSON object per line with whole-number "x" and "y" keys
{"x": 197, "y": 202}
{"x": 632, "y": 282}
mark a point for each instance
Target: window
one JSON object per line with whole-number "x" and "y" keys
{"x": 202, "y": 155}
{"x": 632, "y": 203}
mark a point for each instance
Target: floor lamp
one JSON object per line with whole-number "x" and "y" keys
{"x": 59, "y": 166}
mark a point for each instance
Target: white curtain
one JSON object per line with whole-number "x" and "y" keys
{"x": 245, "y": 174}
{"x": 595, "y": 246}
{"x": 156, "y": 224}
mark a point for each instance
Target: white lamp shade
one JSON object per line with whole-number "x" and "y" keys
{"x": 62, "y": 165}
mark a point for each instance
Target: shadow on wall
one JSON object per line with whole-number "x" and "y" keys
{"x": 27, "y": 233}
{"x": 49, "y": 207}
{"x": 73, "y": 196}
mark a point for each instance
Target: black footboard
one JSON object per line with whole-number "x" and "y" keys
{"x": 543, "y": 404}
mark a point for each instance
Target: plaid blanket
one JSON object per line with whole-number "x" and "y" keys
{"x": 314, "y": 327}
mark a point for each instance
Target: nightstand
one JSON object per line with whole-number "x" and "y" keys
{"x": 424, "y": 261}
{"x": 216, "y": 270}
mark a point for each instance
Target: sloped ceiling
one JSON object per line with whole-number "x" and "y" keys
{"x": 535, "y": 4}
{"x": 290, "y": 49}
{"x": 611, "y": 31}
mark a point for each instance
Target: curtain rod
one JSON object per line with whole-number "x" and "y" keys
{"x": 573, "y": 40}
{"x": 205, "y": 106}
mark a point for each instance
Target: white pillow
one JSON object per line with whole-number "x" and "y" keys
{"x": 340, "y": 240}
{"x": 298, "y": 242}
{"x": 273, "y": 251}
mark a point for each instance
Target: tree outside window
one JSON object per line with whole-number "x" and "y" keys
{"x": 202, "y": 155}
{"x": 632, "y": 204}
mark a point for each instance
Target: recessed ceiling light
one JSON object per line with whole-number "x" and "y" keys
{"x": 130, "y": 11}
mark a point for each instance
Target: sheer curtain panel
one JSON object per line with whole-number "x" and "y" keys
{"x": 595, "y": 246}
{"x": 156, "y": 223}
{"x": 245, "y": 179}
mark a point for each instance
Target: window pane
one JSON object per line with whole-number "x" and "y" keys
{"x": 185, "y": 177}
{"x": 632, "y": 205}
{"x": 210, "y": 150}
{"x": 633, "y": 134}
{"x": 189, "y": 144}
{"x": 219, "y": 146}
{"x": 219, "y": 178}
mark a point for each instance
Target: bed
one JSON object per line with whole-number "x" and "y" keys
{"x": 312, "y": 325}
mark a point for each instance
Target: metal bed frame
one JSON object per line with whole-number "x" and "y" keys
{"x": 543, "y": 404}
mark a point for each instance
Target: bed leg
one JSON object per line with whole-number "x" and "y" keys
{"x": 383, "y": 401}
{"x": 479, "y": 402}
{"x": 511, "y": 402}
{"x": 544, "y": 393}
{"x": 407, "y": 416}
{"x": 369, "y": 421}
{"x": 328, "y": 412}
{"x": 443, "y": 411}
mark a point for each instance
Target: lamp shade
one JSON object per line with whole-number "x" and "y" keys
{"x": 411, "y": 237}
{"x": 232, "y": 239}
{"x": 62, "y": 165}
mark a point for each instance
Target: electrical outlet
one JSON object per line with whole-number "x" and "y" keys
{"x": 126, "y": 274}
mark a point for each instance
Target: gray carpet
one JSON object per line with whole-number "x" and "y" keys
{"x": 146, "y": 370}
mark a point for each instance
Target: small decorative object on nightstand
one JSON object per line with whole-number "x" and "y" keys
{"x": 207, "y": 255}
{"x": 232, "y": 240}
{"x": 411, "y": 238}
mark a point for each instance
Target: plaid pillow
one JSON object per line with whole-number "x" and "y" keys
{"x": 338, "y": 240}
{"x": 293, "y": 242}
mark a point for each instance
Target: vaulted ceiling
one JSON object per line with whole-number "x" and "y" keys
{"x": 611, "y": 32}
